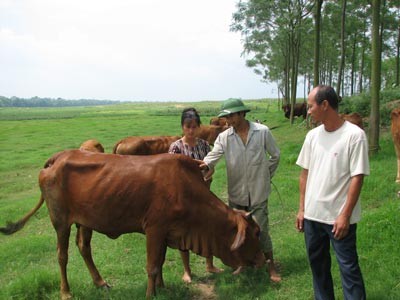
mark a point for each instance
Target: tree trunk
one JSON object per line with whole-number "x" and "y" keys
{"x": 317, "y": 20}
{"x": 353, "y": 65}
{"x": 375, "y": 79}
{"x": 397, "y": 59}
{"x": 361, "y": 77}
{"x": 342, "y": 47}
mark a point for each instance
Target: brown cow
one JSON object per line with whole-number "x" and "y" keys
{"x": 144, "y": 145}
{"x": 92, "y": 145}
{"x": 300, "y": 109}
{"x": 117, "y": 194}
{"x": 218, "y": 121}
{"x": 210, "y": 132}
{"x": 354, "y": 118}
{"x": 395, "y": 127}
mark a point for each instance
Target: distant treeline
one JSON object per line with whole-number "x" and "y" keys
{"x": 49, "y": 102}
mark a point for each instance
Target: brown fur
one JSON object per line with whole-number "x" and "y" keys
{"x": 395, "y": 128}
{"x": 144, "y": 145}
{"x": 218, "y": 121}
{"x": 354, "y": 118}
{"x": 300, "y": 109}
{"x": 92, "y": 145}
{"x": 210, "y": 132}
{"x": 117, "y": 194}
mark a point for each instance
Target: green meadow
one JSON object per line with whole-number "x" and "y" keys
{"x": 28, "y": 259}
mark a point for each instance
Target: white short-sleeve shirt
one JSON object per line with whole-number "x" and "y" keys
{"x": 331, "y": 159}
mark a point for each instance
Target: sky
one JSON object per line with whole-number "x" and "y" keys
{"x": 128, "y": 50}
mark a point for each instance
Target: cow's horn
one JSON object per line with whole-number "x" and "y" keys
{"x": 240, "y": 235}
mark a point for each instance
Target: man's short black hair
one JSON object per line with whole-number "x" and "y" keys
{"x": 326, "y": 92}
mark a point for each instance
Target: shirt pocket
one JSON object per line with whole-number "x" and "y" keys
{"x": 255, "y": 154}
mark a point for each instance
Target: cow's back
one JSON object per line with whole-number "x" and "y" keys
{"x": 92, "y": 145}
{"x": 210, "y": 132}
{"x": 144, "y": 145}
{"x": 354, "y": 118}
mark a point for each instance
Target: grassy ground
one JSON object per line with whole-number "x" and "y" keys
{"x": 28, "y": 262}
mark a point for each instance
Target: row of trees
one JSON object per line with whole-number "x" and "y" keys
{"x": 50, "y": 102}
{"x": 352, "y": 45}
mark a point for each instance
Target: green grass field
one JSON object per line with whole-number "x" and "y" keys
{"x": 28, "y": 259}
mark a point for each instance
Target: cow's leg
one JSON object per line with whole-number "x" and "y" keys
{"x": 83, "y": 238}
{"x": 159, "y": 277}
{"x": 62, "y": 252}
{"x": 156, "y": 249}
{"x": 398, "y": 164}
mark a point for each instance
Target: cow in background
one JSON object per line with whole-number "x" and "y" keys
{"x": 395, "y": 128}
{"x": 218, "y": 121}
{"x": 144, "y": 145}
{"x": 118, "y": 194}
{"x": 300, "y": 110}
{"x": 354, "y": 118}
{"x": 210, "y": 132}
{"x": 92, "y": 145}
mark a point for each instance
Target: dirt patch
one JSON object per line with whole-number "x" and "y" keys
{"x": 205, "y": 291}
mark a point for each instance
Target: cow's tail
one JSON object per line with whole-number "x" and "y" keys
{"x": 14, "y": 227}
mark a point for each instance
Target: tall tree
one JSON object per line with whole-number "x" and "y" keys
{"x": 397, "y": 57}
{"x": 342, "y": 46}
{"x": 375, "y": 78}
{"x": 317, "y": 22}
{"x": 263, "y": 25}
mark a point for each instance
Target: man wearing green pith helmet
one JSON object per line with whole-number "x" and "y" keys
{"x": 252, "y": 157}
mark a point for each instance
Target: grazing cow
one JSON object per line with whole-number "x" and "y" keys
{"x": 300, "y": 109}
{"x": 144, "y": 145}
{"x": 395, "y": 127}
{"x": 92, "y": 145}
{"x": 210, "y": 132}
{"x": 117, "y": 194}
{"x": 354, "y": 118}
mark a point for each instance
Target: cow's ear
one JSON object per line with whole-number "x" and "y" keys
{"x": 241, "y": 233}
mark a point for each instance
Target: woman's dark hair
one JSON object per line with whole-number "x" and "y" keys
{"x": 326, "y": 92}
{"x": 189, "y": 114}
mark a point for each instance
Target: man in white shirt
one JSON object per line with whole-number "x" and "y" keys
{"x": 252, "y": 157}
{"x": 334, "y": 158}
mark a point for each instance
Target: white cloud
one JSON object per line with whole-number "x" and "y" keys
{"x": 123, "y": 50}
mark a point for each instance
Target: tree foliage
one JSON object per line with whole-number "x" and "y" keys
{"x": 279, "y": 42}
{"x": 50, "y": 102}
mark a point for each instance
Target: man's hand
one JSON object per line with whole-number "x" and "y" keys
{"x": 300, "y": 221}
{"x": 341, "y": 227}
{"x": 202, "y": 165}
{"x": 207, "y": 174}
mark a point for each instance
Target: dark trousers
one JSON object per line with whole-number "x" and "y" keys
{"x": 318, "y": 237}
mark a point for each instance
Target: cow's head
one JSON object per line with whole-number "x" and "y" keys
{"x": 246, "y": 249}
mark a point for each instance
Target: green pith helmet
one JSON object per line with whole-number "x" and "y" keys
{"x": 231, "y": 106}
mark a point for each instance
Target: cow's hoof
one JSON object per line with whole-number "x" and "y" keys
{"x": 106, "y": 286}
{"x": 238, "y": 270}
